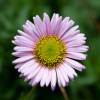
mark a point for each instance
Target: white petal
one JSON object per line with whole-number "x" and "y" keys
{"x": 78, "y": 56}
{"x": 27, "y": 67}
{"x": 24, "y": 34}
{"x": 31, "y": 30}
{"x": 55, "y": 23}
{"x": 20, "y": 54}
{"x": 64, "y": 74}
{"x": 77, "y": 37}
{"x": 23, "y": 59}
{"x": 19, "y": 49}
{"x": 69, "y": 71}
{"x": 33, "y": 73}
{"x": 39, "y": 25}
{"x": 78, "y": 49}
{"x": 61, "y": 81}
{"x": 65, "y": 25}
{"x": 75, "y": 64}
{"x": 49, "y": 78}
{"x": 22, "y": 41}
{"x": 53, "y": 79}
{"x": 46, "y": 20}
{"x": 26, "y": 64}
{"x": 75, "y": 43}
{"x": 18, "y": 66}
{"x": 71, "y": 31}
{"x": 39, "y": 75}
{"x": 44, "y": 75}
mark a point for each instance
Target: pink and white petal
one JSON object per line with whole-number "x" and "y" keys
{"x": 78, "y": 56}
{"x": 72, "y": 31}
{"x": 69, "y": 71}
{"x": 31, "y": 31}
{"x": 23, "y": 49}
{"x": 22, "y": 41}
{"x": 61, "y": 81}
{"x": 26, "y": 70}
{"x": 57, "y": 27}
{"x": 65, "y": 25}
{"x": 39, "y": 76}
{"x": 27, "y": 66}
{"x": 64, "y": 74}
{"x": 46, "y": 20}
{"x": 33, "y": 73}
{"x": 55, "y": 23}
{"x": 53, "y": 79}
{"x": 75, "y": 37}
{"x": 18, "y": 66}
{"x": 78, "y": 49}
{"x": 44, "y": 75}
{"x": 54, "y": 20}
{"x": 81, "y": 40}
{"x": 24, "y": 34}
{"x": 75, "y": 64}
{"x": 49, "y": 77}
{"x": 40, "y": 26}
{"x": 23, "y": 59}
{"x": 75, "y": 43}
{"x": 30, "y": 81}
{"x": 20, "y": 54}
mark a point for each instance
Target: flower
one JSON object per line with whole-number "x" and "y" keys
{"x": 47, "y": 50}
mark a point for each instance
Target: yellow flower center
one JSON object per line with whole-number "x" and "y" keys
{"x": 49, "y": 51}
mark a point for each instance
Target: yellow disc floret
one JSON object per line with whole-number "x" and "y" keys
{"x": 49, "y": 51}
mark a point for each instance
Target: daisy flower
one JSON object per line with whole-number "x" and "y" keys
{"x": 48, "y": 50}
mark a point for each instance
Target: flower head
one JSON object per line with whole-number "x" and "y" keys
{"x": 47, "y": 50}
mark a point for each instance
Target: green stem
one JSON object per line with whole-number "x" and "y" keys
{"x": 29, "y": 95}
{"x": 64, "y": 93}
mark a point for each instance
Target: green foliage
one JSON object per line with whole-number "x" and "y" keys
{"x": 13, "y": 14}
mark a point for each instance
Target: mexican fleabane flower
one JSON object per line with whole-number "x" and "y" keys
{"x": 47, "y": 50}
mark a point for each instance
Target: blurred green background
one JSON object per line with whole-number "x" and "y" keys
{"x": 13, "y": 14}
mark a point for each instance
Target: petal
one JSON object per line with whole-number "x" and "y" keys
{"x": 40, "y": 26}
{"x": 23, "y": 59}
{"x": 22, "y": 41}
{"x": 75, "y": 64}
{"x": 78, "y": 56}
{"x": 33, "y": 73}
{"x": 75, "y": 43}
{"x": 49, "y": 78}
{"x": 54, "y": 20}
{"x": 61, "y": 81}
{"x": 24, "y": 34}
{"x": 72, "y": 31}
{"x": 44, "y": 75}
{"x": 64, "y": 74}
{"x": 69, "y": 71}
{"x": 32, "y": 80}
{"x": 78, "y": 49}
{"x": 18, "y": 66}
{"x": 20, "y": 54}
{"x": 78, "y": 37}
{"x": 55, "y": 23}
{"x": 46, "y": 20}
{"x": 65, "y": 25}
{"x": 39, "y": 75}
{"x": 26, "y": 66}
{"x": 21, "y": 49}
{"x": 31, "y": 30}
{"x": 53, "y": 79}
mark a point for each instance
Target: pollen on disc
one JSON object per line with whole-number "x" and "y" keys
{"x": 49, "y": 51}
